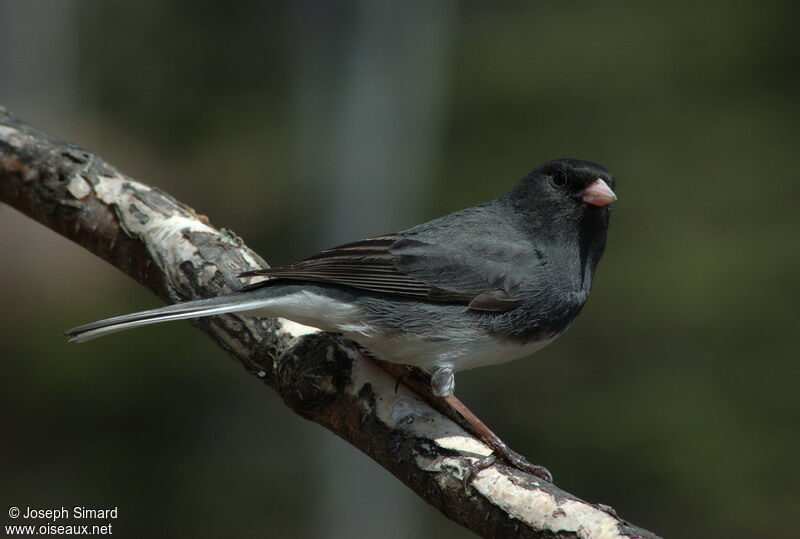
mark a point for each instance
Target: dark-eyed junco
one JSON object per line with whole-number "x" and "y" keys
{"x": 480, "y": 286}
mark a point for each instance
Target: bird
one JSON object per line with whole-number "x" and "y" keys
{"x": 481, "y": 286}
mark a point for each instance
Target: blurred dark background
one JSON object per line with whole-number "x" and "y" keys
{"x": 674, "y": 397}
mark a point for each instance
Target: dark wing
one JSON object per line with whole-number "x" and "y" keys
{"x": 399, "y": 265}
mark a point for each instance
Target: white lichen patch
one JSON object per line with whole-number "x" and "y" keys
{"x": 404, "y": 409}
{"x": 464, "y": 444}
{"x": 207, "y": 272}
{"x": 293, "y": 330}
{"x": 10, "y": 134}
{"x": 109, "y": 188}
{"x": 250, "y": 259}
{"x": 540, "y": 509}
{"x": 439, "y": 465}
{"x": 163, "y": 234}
{"x": 168, "y": 234}
{"x": 13, "y": 137}
{"x": 79, "y": 187}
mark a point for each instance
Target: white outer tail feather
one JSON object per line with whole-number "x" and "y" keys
{"x": 191, "y": 309}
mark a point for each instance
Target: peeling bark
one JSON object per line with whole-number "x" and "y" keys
{"x": 177, "y": 253}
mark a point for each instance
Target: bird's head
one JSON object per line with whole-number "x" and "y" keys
{"x": 566, "y": 204}
{"x": 564, "y": 189}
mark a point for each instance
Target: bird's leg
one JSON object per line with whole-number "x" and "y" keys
{"x": 499, "y": 448}
{"x": 442, "y": 382}
{"x": 437, "y": 390}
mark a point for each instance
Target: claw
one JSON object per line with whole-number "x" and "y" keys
{"x": 512, "y": 458}
{"x": 477, "y": 466}
{"x": 521, "y": 463}
{"x": 421, "y": 382}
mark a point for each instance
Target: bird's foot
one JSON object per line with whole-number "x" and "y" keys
{"x": 437, "y": 389}
{"x": 500, "y": 449}
{"x": 521, "y": 463}
{"x": 512, "y": 458}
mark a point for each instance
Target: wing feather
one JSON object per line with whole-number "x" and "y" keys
{"x": 373, "y": 264}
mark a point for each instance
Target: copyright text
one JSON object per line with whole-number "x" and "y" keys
{"x": 51, "y": 516}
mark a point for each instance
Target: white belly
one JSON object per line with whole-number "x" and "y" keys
{"x": 459, "y": 353}
{"x": 459, "y": 350}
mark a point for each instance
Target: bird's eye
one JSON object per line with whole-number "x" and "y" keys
{"x": 559, "y": 179}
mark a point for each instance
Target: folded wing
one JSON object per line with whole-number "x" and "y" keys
{"x": 401, "y": 265}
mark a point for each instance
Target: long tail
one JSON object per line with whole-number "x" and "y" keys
{"x": 234, "y": 302}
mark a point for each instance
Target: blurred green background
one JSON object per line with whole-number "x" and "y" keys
{"x": 674, "y": 397}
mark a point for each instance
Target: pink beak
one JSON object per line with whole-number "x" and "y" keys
{"x": 598, "y": 194}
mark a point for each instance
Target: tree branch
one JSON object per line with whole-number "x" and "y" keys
{"x": 176, "y": 253}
